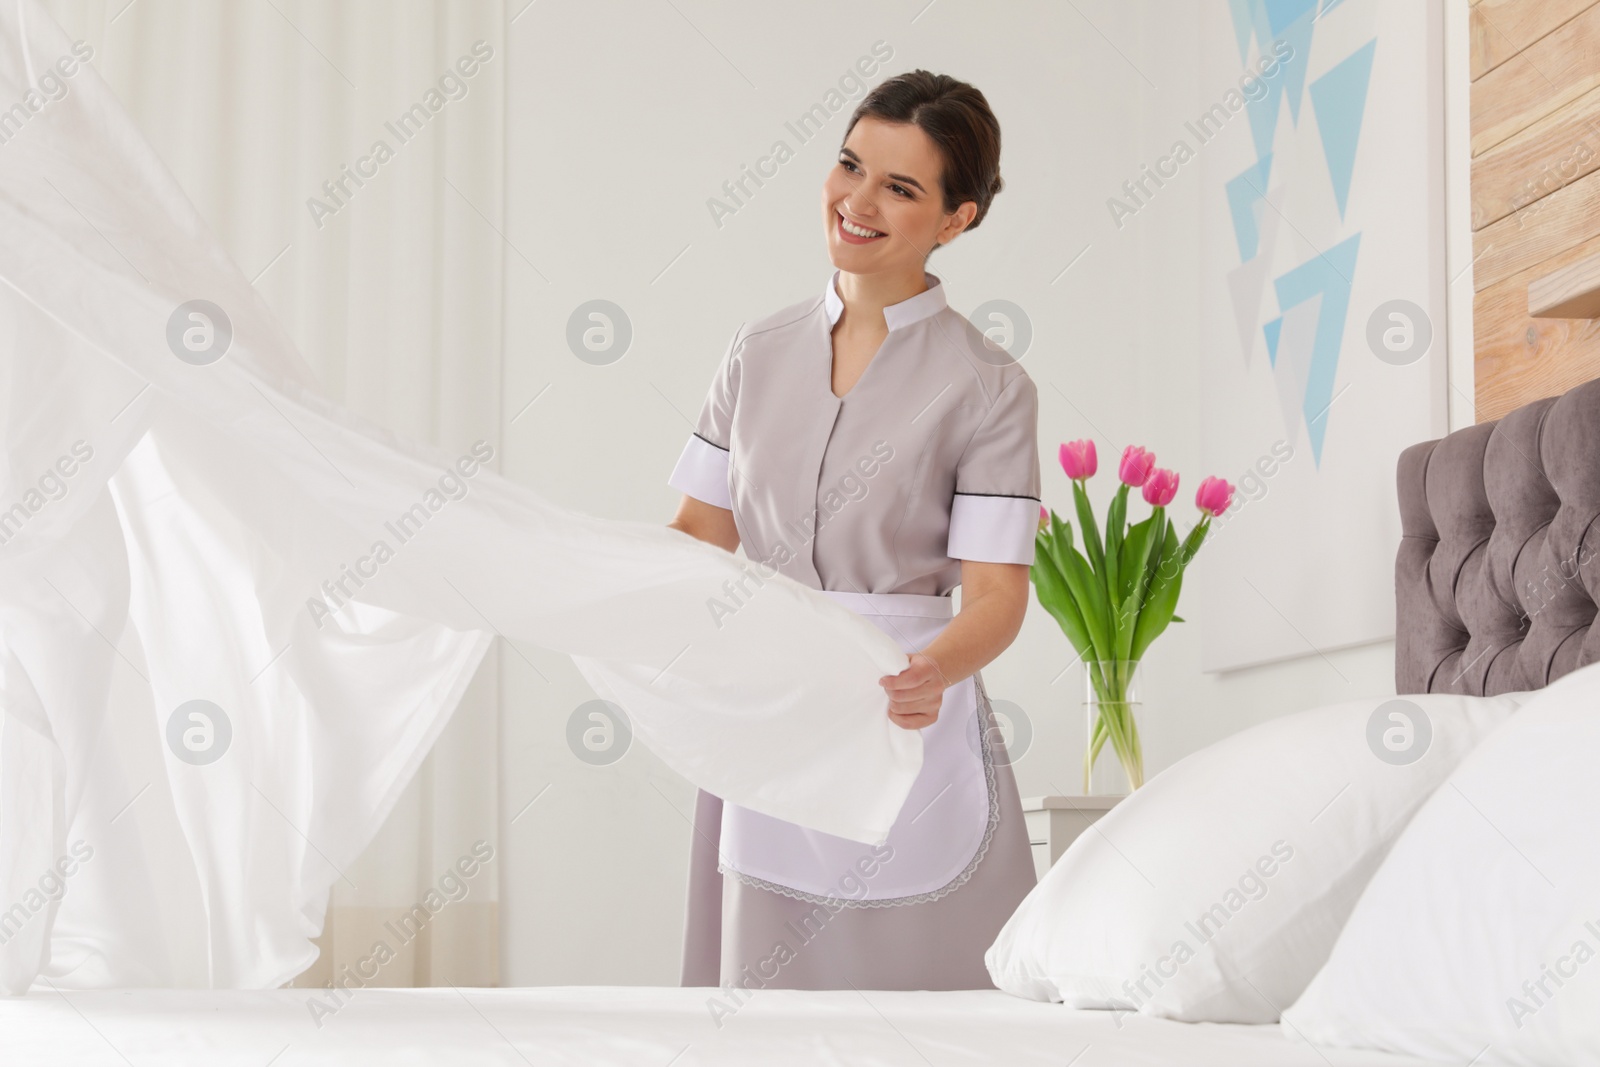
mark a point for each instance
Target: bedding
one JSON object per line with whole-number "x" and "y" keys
{"x": 1215, "y": 892}
{"x": 1479, "y": 937}
{"x": 597, "y": 1026}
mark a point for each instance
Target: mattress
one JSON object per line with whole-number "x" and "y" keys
{"x": 600, "y": 1025}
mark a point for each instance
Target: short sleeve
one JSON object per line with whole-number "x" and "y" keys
{"x": 995, "y": 513}
{"x": 702, "y": 468}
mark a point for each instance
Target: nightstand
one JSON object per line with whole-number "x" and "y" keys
{"x": 1055, "y": 822}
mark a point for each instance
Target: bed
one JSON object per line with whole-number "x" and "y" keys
{"x": 602, "y": 1025}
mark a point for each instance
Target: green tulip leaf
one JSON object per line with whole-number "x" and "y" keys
{"x": 1115, "y": 522}
{"x": 1091, "y": 601}
{"x": 1161, "y": 601}
{"x": 1091, "y": 532}
{"x": 1134, "y": 566}
{"x": 1056, "y": 598}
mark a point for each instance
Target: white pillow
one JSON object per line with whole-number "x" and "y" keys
{"x": 1216, "y": 892}
{"x": 1496, "y": 883}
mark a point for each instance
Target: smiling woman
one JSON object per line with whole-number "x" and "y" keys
{"x": 935, "y": 125}
{"x": 879, "y": 361}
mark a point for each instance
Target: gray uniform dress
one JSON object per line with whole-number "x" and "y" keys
{"x": 875, "y": 498}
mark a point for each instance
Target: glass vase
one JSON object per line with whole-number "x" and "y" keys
{"x": 1113, "y": 761}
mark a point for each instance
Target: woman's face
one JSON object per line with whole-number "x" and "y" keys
{"x": 885, "y": 188}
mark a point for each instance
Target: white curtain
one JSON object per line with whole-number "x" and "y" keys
{"x": 394, "y": 298}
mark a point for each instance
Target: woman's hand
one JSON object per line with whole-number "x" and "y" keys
{"x": 994, "y": 597}
{"x": 916, "y": 693}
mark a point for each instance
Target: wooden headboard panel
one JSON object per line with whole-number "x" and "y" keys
{"x": 1535, "y": 199}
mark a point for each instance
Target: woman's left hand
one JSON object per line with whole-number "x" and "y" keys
{"x": 916, "y": 693}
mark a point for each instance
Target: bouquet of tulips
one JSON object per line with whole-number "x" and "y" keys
{"x": 1117, "y": 595}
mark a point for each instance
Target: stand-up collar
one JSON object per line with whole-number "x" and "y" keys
{"x": 906, "y": 312}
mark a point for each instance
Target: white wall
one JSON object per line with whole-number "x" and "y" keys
{"x": 623, "y": 120}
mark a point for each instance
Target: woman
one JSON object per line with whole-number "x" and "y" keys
{"x": 868, "y": 443}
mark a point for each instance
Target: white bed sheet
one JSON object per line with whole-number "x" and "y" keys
{"x": 601, "y": 1025}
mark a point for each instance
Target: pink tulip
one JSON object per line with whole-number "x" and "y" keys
{"x": 1136, "y": 465}
{"x": 1214, "y": 495}
{"x": 1078, "y": 459}
{"x": 1044, "y": 515}
{"x": 1161, "y": 487}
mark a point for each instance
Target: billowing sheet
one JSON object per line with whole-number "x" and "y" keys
{"x": 296, "y": 599}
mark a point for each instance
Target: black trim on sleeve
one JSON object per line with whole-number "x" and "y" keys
{"x": 710, "y": 442}
{"x": 1013, "y": 496}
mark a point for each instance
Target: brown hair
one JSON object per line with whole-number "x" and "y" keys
{"x": 956, "y": 117}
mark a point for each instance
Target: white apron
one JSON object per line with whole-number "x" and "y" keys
{"x": 948, "y": 816}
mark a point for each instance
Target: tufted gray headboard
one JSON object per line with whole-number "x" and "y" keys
{"x": 1497, "y": 575}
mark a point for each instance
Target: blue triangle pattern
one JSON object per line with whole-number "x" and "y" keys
{"x": 1269, "y": 20}
{"x": 1243, "y": 192}
{"x": 1296, "y": 32}
{"x": 1272, "y": 330}
{"x": 1263, "y": 113}
{"x": 1281, "y": 13}
{"x": 1339, "y": 99}
{"x": 1328, "y": 274}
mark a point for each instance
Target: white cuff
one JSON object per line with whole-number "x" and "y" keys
{"x": 993, "y": 529}
{"x": 702, "y": 472}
